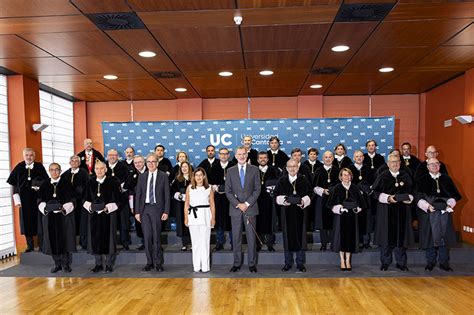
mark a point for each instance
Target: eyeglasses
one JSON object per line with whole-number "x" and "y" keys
{"x": 434, "y": 164}
{"x": 55, "y": 170}
{"x": 151, "y": 162}
{"x": 432, "y": 152}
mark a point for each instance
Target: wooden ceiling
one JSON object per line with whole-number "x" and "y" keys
{"x": 56, "y": 42}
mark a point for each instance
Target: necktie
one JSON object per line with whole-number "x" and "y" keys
{"x": 152, "y": 189}
{"x": 242, "y": 176}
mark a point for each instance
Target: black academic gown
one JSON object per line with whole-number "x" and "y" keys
{"x": 345, "y": 162}
{"x": 327, "y": 180}
{"x": 312, "y": 169}
{"x": 217, "y": 177}
{"x": 177, "y": 206}
{"x": 208, "y": 166}
{"x": 130, "y": 186}
{"x": 102, "y": 226}
{"x": 375, "y": 162}
{"x": 422, "y": 170}
{"x": 265, "y": 202}
{"x": 22, "y": 184}
{"x": 78, "y": 182}
{"x": 96, "y": 155}
{"x": 252, "y": 157}
{"x": 436, "y": 229}
{"x": 59, "y": 235}
{"x": 345, "y": 236}
{"x": 393, "y": 221}
{"x": 277, "y": 160}
{"x": 412, "y": 163}
{"x": 165, "y": 166}
{"x": 364, "y": 178}
{"x": 293, "y": 222}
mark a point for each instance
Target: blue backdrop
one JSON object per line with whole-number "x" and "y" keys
{"x": 193, "y": 136}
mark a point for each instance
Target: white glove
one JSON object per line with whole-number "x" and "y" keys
{"x": 319, "y": 191}
{"x": 68, "y": 207}
{"x": 17, "y": 200}
{"x": 87, "y": 205}
{"x": 111, "y": 207}
{"x": 41, "y": 207}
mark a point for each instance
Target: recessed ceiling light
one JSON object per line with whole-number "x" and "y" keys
{"x": 180, "y": 89}
{"x": 147, "y": 54}
{"x": 266, "y": 72}
{"x": 340, "y": 48}
{"x": 110, "y": 77}
{"x": 386, "y": 69}
{"x": 316, "y": 86}
{"x": 225, "y": 73}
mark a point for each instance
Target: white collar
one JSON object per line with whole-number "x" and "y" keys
{"x": 292, "y": 178}
{"x": 435, "y": 176}
{"x": 346, "y": 187}
{"x": 186, "y": 177}
{"x": 242, "y": 166}
{"x": 371, "y": 154}
{"x": 89, "y": 152}
{"x": 75, "y": 171}
{"x": 263, "y": 168}
{"x": 211, "y": 160}
{"x": 275, "y": 152}
{"x": 30, "y": 166}
{"x": 312, "y": 162}
{"x": 338, "y": 157}
{"x": 55, "y": 181}
{"x": 101, "y": 181}
{"x": 394, "y": 174}
{"x": 154, "y": 173}
{"x": 327, "y": 168}
{"x": 142, "y": 170}
{"x": 112, "y": 166}
{"x": 224, "y": 164}
{"x": 407, "y": 157}
{"x": 129, "y": 161}
{"x": 358, "y": 166}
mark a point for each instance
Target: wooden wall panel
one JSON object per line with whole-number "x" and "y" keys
{"x": 345, "y": 106}
{"x": 229, "y": 108}
{"x": 273, "y": 107}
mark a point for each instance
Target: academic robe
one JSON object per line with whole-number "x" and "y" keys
{"x": 252, "y": 157}
{"x": 102, "y": 226}
{"x": 208, "y": 166}
{"x": 312, "y": 169}
{"x": 412, "y": 163}
{"x": 436, "y": 228}
{"x": 177, "y": 206}
{"x": 176, "y": 169}
{"x": 364, "y": 178}
{"x": 130, "y": 186}
{"x": 78, "y": 182}
{"x": 375, "y": 162}
{"x": 120, "y": 173}
{"x": 384, "y": 167}
{"x": 324, "y": 216}
{"x": 345, "y": 233}
{"x": 59, "y": 236}
{"x": 96, "y": 155}
{"x": 422, "y": 170}
{"x": 218, "y": 175}
{"x": 165, "y": 166}
{"x": 28, "y": 196}
{"x": 293, "y": 222}
{"x": 345, "y": 162}
{"x": 265, "y": 202}
{"x": 277, "y": 160}
{"x": 393, "y": 221}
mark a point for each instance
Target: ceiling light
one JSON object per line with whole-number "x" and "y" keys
{"x": 266, "y": 72}
{"x": 225, "y": 73}
{"x": 316, "y": 86}
{"x": 340, "y": 48}
{"x": 110, "y": 77}
{"x": 180, "y": 89}
{"x": 386, "y": 69}
{"x": 147, "y": 54}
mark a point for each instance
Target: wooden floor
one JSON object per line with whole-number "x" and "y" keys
{"x": 446, "y": 295}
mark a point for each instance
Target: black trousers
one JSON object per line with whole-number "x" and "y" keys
{"x": 124, "y": 220}
{"x": 151, "y": 226}
{"x": 62, "y": 259}
{"x": 386, "y": 255}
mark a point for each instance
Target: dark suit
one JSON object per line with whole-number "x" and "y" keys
{"x": 237, "y": 194}
{"x": 150, "y": 213}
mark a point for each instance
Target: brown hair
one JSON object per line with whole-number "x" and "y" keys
{"x": 205, "y": 182}
{"x": 180, "y": 176}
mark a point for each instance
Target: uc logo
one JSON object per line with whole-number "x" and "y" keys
{"x": 216, "y": 139}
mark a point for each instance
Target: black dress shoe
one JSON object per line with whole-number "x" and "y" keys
{"x": 97, "y": 268}
{"x": 126, "y": 247}
{"x": 159, "y": 268}
{"x": 56, "y": 269}
{"x": 286, "y": 267}
{"x": 445, "y": 267}
{"x": 270, "y": 248}
{"x": 218, "y": 247}
{"x": 384, "y": 267}
{"x": 67, "y": 269}
{"x": 234, "y": 269}
{"x": 148, "y": 267}
{"x": 301, "y": 268}
{"x": 401, "y": 267}
{"x": 109, "y": 268}
{"x": 141, "y": 247}
{"x": 323, "y": 247}
{"x": 367, "y": 246}
{"x": 253, "y": 269}
{"x": 429, "y": 267}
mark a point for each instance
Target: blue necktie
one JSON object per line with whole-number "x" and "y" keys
{"x": 152, "y": 190}
{"x": 242, "y": 176}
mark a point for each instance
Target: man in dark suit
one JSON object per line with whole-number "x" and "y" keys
{"x": 88, "y": 157}
{"x": 211, "y": 160}
{"x": 242, "y": 188}
{"x": 152, "y": 204}
{"x": 409, "y": 159}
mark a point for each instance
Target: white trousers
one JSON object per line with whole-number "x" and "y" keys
{"x": 201, "y": 242}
